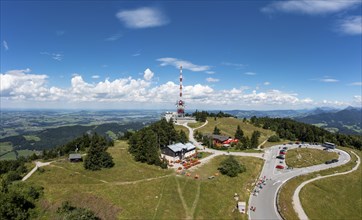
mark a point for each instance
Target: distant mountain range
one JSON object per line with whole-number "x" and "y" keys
{"x": 347, "y": 121}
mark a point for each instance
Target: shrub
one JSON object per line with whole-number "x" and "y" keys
{"x": 231, "y": 167}
{"x": 274, "y": 138}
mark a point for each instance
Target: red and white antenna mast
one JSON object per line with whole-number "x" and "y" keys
{"x": 180, "y": 104}
{"x": 180, "y": 82}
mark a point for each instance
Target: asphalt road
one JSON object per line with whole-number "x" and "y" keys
{"x": 265, "y": 201}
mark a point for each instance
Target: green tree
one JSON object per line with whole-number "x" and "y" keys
{"x": 239, "y": 134}
{"x": 255, "y": 139}
{"x": 97, "y": 157}
{"x": 274, "y": 138}
{"x": 69, "y": 212}
{"x": 216, "y": 130}
{"x": 182, "y": 137}
{"x": 231, "y": 167}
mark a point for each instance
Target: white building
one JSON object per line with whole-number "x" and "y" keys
{"x": 178, "y": 151}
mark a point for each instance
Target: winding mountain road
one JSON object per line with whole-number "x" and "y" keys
{"x": 296, "y": 199}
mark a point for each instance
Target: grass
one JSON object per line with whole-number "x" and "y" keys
{"x": 195, "y": 125}
{"x": 305, "y": 157}
{"x": 180, "y": 127}
{"x": 31, "y": 138}
{"x": 132, "y": 190}
{"x": 205, "y": 154}
{"x": 228, "y": 127}
{"x": 5, "y": 147}
{"x": 12, "y": 156}
{"x": 287, "y": 191}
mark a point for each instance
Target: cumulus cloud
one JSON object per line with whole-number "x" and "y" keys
{"x": 169, "y": 61}
{"x": 357, "y": 100}
{"x": 5, "y": 44}
{"x": 266, "y": 83}
{"x": 351, "y": 25}
{"x": 311, "y": 7}
{"x": 95, "y": 77}
{"x": 209, "y": 79}
{"x": 148, "y": 74}
{"x": 143, "y": 18}
{"x": 23, "y": 85}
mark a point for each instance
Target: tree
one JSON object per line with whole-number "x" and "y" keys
{"x": 97, "y": 157}
{"x": 274, "y": 138}
{"x": 70, "y": 212}
{"x": 216, "y": 131}
{"x": 246, "y": 142}
{"x": 255, "y": 139}
{"x": 231, "y": 167}
{"x": 182, "y": 137}
{"x": 239, "y": 134}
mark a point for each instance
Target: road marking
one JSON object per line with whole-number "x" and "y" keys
{"x": 276, "y": 182}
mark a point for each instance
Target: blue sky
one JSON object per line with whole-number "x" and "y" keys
{"x": 235, "y": 55}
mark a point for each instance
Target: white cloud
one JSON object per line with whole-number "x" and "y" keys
{"x": 266, "y": 83}
{"x": 5, "y": 44}
{"x": 142, "y": 18}
{"x": 250, "y": 73}
{"x": 95, "y": 77}
{"x": 148, "y": 74}
{"x": 54, "y": 56}
{"x": 328, "y": 80}
{"x": 238, "y": 65}
{"x": 351, "y": 25}
{"x": 136, "y": 54}
{"x": 357, "y": 101}
{"x": 19, "y": 86}
{"x": 114, "y": 37}
{"x": 312, "y": 7}
{"x": 185, "y": 64}
{"x": 210, "y": 72}
{"x": 356, "y": 84}
{"x": 209, "y": 79}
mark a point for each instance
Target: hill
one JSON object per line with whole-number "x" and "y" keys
{"x": 347, "y": 121}
{"x": 52, "y": 137}
{"x": 132, "y": 190}
{"x": 228, "y": 127}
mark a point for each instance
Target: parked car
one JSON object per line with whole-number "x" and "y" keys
{"x": 285, "y": 148}
{"x": 328, "y": 162}
{"x": 282, "y": 152}
{"x": 334, "y": 160}
{"x": 280, "y": 157}
{"x": 279, "y": 167}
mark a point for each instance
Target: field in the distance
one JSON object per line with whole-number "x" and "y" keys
{"x": 305, "y": 157}
{"x": 133, "y": 190}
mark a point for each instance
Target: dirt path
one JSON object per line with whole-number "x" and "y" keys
{"x": 159, "y": 201}
{"x": 296, "y": 200}
{"x": 193, "y": 208}
{"x": 141, "y": 180}
{"x": 188, "y": 215}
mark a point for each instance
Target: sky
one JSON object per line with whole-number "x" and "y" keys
{"x": 260, "y": 55}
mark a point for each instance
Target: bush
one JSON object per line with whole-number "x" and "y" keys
{"x": 274, "y": 138}
{"x": 70, "y": 212}
{"x": 231, "y": 167}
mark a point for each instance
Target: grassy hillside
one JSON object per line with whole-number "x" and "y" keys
{"x": 228, "y": 127}
{"x": 180, "y": 127}
{"x": 133, "y": 190}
